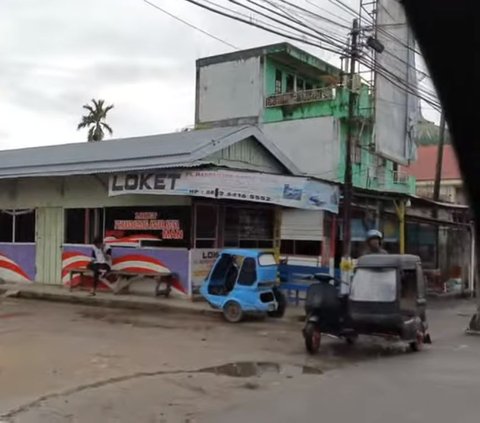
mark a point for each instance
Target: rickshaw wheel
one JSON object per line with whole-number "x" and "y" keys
{"x": 417, "y": 345}
{"x": 312, "y": 338}
{"x": 232, "y": 311}
{"x": 281, "y": 302}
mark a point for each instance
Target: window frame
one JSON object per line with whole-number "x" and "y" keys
{"x": 14, "y": 213}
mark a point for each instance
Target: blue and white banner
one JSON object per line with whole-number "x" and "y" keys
{"x": 287, "y": 191}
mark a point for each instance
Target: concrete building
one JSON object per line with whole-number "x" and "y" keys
{"x": 301, "y": 104}
{"x": 163, "y": 201}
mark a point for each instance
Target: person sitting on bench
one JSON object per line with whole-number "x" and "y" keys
{"x": 100, "y": 264}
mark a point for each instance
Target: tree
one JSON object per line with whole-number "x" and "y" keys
{"x": 95, "y": 120}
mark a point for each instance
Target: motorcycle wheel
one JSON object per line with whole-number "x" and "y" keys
{"x": 282, "y": 304}
{"x": 351, "y": 340}
{"x": 232, "y": 312}
{"x": 417, "y": 345}
{"x": 312, "y": 338}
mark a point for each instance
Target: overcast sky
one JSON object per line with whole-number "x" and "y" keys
{"x": 55, "y": 55}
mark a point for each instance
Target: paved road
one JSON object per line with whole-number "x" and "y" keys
{"x": 438, "y": 385}
{"x": 65, "y": 363}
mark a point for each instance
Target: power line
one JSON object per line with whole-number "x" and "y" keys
{"x": 286, "y": 15}
{"x": 328, "y": 11}
{"x": 309, "y": 12}
{"x": 387, "y": 74}
{"x": 299, "y": 38}
{"x": 307, "y": 15}
{"x": 190, "y": 25}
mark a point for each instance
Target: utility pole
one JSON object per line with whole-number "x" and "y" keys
{"x": 348, "y": 182}
{"x": 438, "y": 169}
{"x": 436, "y": 186}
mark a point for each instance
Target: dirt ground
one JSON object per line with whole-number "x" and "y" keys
{"x": 68, "y": 363}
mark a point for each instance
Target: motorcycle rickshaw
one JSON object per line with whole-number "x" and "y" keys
{"x": 387, "y": 298}
{"x": 244, "y": 282}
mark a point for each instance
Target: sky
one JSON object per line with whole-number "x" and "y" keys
{"x": 56, "y": 55}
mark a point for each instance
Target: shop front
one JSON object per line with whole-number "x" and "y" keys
{"x": 165, "y": 202}
{"x": 181, "y": 232}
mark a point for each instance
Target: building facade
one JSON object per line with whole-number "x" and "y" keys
{"x": 162, "y": 202}
{"x": 301, "y": 103}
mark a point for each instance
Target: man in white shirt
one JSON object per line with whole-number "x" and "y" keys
{"x": 101, "y": 261}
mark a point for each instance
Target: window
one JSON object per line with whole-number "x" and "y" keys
{"x": 248, "y": 228}
{"x": 248, "y": 272}
{"x": 6, "y": 227}
{"x": 300, "y": 84}
{"x": 308, "y": 86}
{"x": 266, "y": 260}
{"x": 278, "y": 81}
{"x": 301, "y": 248}
{"x": 82, "y": 226}
{"x": 374, "y": 285}
{"x": 206, "y": 218}
{"x": 17, "y": 225}
{"x": 290, "y": 83}
{"x": 25, "y": 226}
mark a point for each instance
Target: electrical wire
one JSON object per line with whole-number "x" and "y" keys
{"x": 307, "y": 15}
{"x": 328, "y": 11}
{"x": 336, "y": 42}
{"x": 190, "y": 25}
{"x": 299, "y": 38}
{"x": 387, "y": 74}
{"x": 316, "y": 15}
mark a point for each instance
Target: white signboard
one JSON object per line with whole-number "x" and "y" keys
{"x": 396, "y": 110}
{"x": 201, "y": 261}
{"x": 287, "y": 191}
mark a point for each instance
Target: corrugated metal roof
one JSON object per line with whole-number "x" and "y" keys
{"x": 424, "y": 168}
{"x": 179, "y": 149}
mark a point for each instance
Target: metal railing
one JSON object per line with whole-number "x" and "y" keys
{"x": 300, "y": 97}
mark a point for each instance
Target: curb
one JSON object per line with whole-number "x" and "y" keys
{"x": 123, "y": 303}
{"x": 117, "y": 303}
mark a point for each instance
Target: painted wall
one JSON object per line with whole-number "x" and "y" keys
{"x": 72, "y": 192}
{"x": 229, "y": 90}
{"x": 311, "y": 144}
{"x": 150, "y": 260}
{"x": 17, "y": 262}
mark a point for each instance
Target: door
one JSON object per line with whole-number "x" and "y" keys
{"x": 49, "y": 241}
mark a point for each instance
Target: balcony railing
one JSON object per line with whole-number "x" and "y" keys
{"x": 300, "y": 97}
{"x": 400, "y": 177}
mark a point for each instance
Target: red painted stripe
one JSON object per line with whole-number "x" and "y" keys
{"x": 14, "y": 268}
{"x": 70, "y": 254}
{"x": 137, "y": 257}
{"x": 138, "y": 269}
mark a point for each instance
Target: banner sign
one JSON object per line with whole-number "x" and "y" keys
{"x": 201, "y": 262}
{"x": 287, "y": 191}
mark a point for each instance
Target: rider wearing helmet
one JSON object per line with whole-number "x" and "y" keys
{"x": 374, "y": 242}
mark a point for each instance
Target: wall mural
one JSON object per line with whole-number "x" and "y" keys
{"x": 133, "y": 259}
{"x": 17, "y": 262}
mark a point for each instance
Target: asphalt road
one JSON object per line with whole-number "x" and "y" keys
{"x": 64, "y": 363}
{"x": 438, "y": 385}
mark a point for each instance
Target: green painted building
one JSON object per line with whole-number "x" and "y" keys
{"x": 301, "y": 104}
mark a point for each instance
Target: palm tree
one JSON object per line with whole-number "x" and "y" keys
{"x": 95, "y": 120}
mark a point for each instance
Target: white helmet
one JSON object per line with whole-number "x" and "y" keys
{"x": 374, "y": 233}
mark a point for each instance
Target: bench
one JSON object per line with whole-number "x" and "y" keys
{"x": 128, "y": 277}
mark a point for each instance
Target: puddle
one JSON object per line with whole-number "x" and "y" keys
{"x": 250, "y": 369}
